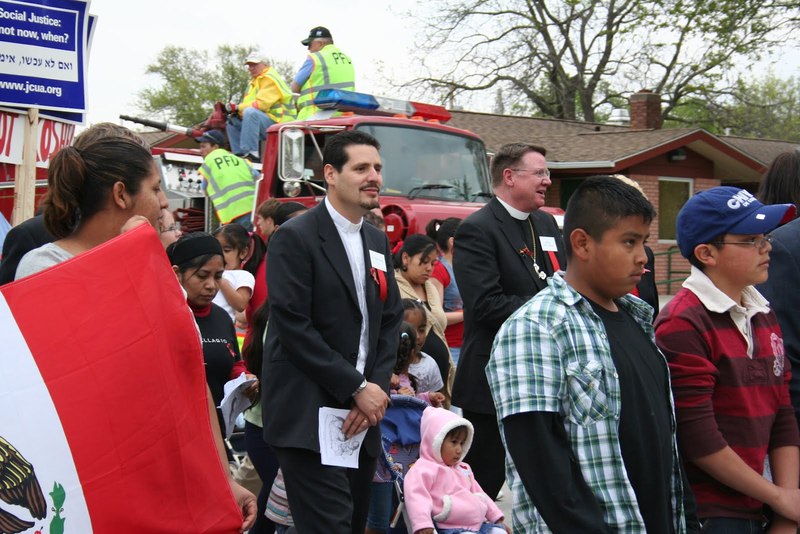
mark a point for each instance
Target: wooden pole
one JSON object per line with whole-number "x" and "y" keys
{"x": 25, "y": 182}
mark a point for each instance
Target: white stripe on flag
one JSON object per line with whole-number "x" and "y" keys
{"x": 29, "y": 422}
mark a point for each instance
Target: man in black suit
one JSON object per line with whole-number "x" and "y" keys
{"x": 20, "y": 240}
{"x": 332, "y": 338}
{"x": 502, "y": 255}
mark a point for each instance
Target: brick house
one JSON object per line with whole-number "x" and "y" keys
{"x": 670, "y": 164}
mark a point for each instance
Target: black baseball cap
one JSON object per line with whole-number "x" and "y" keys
{"x": 320, "y": 32}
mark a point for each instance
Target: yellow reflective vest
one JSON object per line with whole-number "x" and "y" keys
{"x": 332, "y": 70}
{"x": 230, "y": 184}
{"x": 271, "y": 94}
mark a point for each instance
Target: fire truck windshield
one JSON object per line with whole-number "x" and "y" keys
{"x": 426, "y": 163}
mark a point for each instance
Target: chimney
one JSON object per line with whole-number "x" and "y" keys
{"x": 646, "y": 110}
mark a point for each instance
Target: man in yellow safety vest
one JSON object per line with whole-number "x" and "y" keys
{"x": 229, "y": 180}
{"x": 267, "y": 100}
{"x": 326, "y": 67}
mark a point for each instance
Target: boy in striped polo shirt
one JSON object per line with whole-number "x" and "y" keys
{"x": 729, "y": 373}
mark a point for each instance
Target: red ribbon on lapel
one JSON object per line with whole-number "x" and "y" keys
{"x": 380, "y": 279}
{"x": 554, "y": 261}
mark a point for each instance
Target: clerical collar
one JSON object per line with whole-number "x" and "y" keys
{"x": 341, "y": 222}
{"x": 514, "y": 212}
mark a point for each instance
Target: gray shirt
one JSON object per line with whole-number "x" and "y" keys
{"x": 41, "y": 258}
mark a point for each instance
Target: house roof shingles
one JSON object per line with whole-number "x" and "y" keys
{"x": 575, "y": 141}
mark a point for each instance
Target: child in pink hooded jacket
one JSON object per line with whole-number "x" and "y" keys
{"x": 442, "y": 489}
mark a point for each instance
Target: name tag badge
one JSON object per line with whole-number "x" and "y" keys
{"x": 548, "y": 243}
{"x": 377, "y": 260}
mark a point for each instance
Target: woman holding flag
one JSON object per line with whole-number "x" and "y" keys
{"x": 104, "y": 185}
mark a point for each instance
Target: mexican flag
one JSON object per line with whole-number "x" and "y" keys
{"x": 103, "y": 414}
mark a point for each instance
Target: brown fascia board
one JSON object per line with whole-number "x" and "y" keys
{"x": 681, "y": 140}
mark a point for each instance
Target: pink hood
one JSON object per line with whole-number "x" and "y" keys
{"x": 436, "y": 423}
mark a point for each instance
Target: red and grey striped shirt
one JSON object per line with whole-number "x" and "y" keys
{"x": 730, "y": 381}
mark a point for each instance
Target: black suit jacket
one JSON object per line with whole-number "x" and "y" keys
{"x": 782, "y": 290}
{"x": 20, "y": 240}
{"x": 494, "y": 280}
{"x": 314, "y": 329}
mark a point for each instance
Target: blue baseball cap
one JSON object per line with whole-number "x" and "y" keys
{"x": 212, "y": 136}
{"x": 726, "y": 210}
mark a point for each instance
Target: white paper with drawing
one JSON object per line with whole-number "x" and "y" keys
{"x": 334, "y": 447}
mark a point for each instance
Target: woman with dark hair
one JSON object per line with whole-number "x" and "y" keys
{"x": 443, "y": 232}
{"x": 781, "y": 183}
{"x": 106, "y": 184}
{"x": 198, "y": 262}
{"x": 95, "y": 193}
{"x": 413, "y": 263}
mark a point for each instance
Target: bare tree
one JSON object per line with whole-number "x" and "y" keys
{"x": 566, "y": 58}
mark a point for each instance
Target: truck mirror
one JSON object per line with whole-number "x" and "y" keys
{"x": 292, "y": 164}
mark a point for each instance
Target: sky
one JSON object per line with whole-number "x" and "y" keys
{"x": 378, "y": 36}
{"x": 130, "y": 35}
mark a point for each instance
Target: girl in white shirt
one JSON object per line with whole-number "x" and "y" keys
{"x": 236, "y": 285}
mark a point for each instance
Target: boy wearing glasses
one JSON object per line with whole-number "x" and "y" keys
{"x": 729, "y": 373}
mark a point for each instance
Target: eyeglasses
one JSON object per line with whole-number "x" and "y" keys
{"x": 759, "y": 242}
{"x": 539, "y": 173}
{"x": 174, "y": 227}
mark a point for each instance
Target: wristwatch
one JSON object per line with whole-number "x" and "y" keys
{"x": 360, "y": 388}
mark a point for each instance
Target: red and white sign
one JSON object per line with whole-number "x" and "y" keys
{"x": 53, "y": 135}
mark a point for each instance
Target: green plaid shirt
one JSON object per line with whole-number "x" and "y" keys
{"x": 552, "y": 355}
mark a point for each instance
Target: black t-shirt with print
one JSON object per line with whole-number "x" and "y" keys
{"x": 220, "y": 349}
{"x": 644, "y": 427}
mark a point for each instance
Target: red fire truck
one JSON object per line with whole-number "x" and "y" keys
{"x": 430, "y": 170}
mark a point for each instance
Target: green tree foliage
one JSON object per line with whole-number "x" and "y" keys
{"x": 569, "y": 58}
{"x": 766, "y": 108}
{"x": 191, "y": 81}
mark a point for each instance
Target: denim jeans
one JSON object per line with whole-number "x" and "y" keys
{"x": 245, "y": 133}
{"x": 730, "y": 525}
{"x": 455, "y": 352}
{"x": 380, "y": 506}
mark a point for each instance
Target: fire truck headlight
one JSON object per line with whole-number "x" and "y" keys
{"x": 291, "y": 189}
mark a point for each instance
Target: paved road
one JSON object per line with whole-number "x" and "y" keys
{"x": 505, "y": 503}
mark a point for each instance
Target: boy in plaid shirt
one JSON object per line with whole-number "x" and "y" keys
{"x": 582, "y": 392}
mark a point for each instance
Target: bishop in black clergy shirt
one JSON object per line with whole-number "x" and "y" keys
{"x": 332, "y": 338}
{"x": 502, "y": 256}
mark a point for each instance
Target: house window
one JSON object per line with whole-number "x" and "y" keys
{"x": 672, "y": 195}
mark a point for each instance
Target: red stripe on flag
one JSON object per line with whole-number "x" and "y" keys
{"x": 117, "y": 347}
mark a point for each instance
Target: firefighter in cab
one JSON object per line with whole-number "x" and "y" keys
{"x": 230, "y": 181}
{"x": 326, "y": 67}
{"x": 268, "y": 100}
